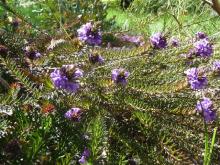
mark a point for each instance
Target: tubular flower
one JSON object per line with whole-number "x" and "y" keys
{"x": 119, "y": 76}
{"x": 201, "y": 35}
{"x": 90, "y": 34}
{"x": 158, "y": 41}
{"x": 196, "y": 78}
{"x": 205, "y": 107}
{"x": 31, "y": 53}
{"x": 67, "y": 78}
{"x": 85, "y": 155}
{"x": 73, "y": 114}
{"x": 203, "y": 48}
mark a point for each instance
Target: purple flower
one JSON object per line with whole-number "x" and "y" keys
{"x": 196, "y": 78}
{"x": 205, "y": 107}
{"x": 175, "y": 42}
{"x": 119, "y": 76}
{"x": 203, "y": 48}
{"x": 85, "y": 155}
{"x": 73, "y": 114}
{"x": 158, "y": 41}
{"x": 82, "y": 160}
{"x": 90, "y": 34}
{"x": 86, "y": 152}
{"x": 95, "y": 58}
{"x": 15, "y": 23}
{"x": 31, "y": 53}
{"x": 206, "y": 103}
{"x": 216, "y": 66}
{"x": 201, "y": 35}
{"x": 138, "y": 40}
{"x": 209, "y": 115}
{"x": 67, "y": 78}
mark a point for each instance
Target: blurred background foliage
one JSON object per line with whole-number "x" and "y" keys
{"x": 179, "y": 17}
{"x": 50, "y": 14}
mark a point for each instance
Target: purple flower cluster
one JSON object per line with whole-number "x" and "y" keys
{"x": 196, "y": 78}
{"x": 158, "y": 41}
{"x": 205, "y": 107}
{"x": 67, "y": 78}
{"x": 138, "y": 40}
{"x": 203, "y": 48}
{"x": 119, "y": 76}
{"x": 31, "y": 53}
{"x": 85, "y": 155}
{"x": 73, "y": 114}
{"x": 90, "y": 34}
{"x": 96, "y": 58}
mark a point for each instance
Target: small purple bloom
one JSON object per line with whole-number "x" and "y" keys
{"x": 96, "y": 58}
{"x": 31, "y": 53}
{"x": 138, "y": 40}
{"x": 196, "y": 78}
{"x": 206, "y": 103}
{"x": 209, "y": 115}
{"x": 201, "y": 35}
{"x": 158, "y": 41}
{"x": 90, "y": 33}
{"x": 203, "y": 48}
{"x": 175, "y": 42}
{"x": 86, "y": 152}
{"x": 15, "y": 23}
{"x": 205, "y": 107}
{"x": 82, "y": 160}
{"x": 216, "y": 66}
{"x": 73, "y": 114}
{"x": 67, "y": 78}
{"x": 38, "y": 55}
{"x": 85, "y": 155}
{"x": 119, "y": 76}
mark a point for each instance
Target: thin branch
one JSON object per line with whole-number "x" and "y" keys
{"x": 214, "y": 4}
{"x": 208, "y": 2}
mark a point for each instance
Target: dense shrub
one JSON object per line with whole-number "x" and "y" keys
{"x": 75, "y": 92}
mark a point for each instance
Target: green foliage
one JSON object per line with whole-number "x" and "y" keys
{"x": 155, "y": 6}
{"x": 150, "y": 121}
